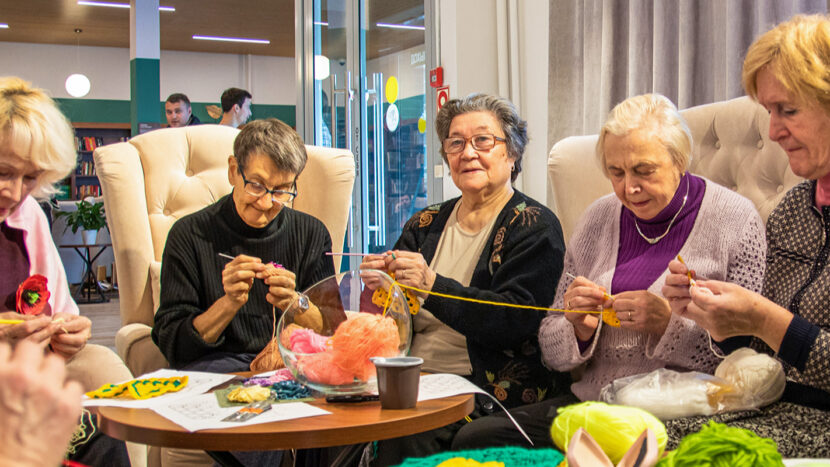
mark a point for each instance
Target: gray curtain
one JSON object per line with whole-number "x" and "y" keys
{"x": 691, "y": 51}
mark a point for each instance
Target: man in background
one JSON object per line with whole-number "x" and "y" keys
{"x": 236, "y": 107}
{"x": 178, "y": 112}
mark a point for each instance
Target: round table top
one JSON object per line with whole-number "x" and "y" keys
{"x": 348, "y": 423}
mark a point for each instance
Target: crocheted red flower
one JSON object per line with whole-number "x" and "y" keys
{"x": 32, "y": 295}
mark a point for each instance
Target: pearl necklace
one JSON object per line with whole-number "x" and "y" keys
{"x": 654, "y": 240}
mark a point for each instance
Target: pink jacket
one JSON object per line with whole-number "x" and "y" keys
{"x": 43, "y": 255}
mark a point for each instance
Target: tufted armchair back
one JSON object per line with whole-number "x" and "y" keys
{"x": 731, "y": 148}
{"x": 154, "y": 179}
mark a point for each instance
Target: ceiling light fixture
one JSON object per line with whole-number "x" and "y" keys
{"x": 322, "y": 68}
{"x": 231, "y": 39}
{"x": 4, "y": 26}
{"x": 118, "y": 5}
{"x": 77, "y": 84}
{"x": 400, "y": 26}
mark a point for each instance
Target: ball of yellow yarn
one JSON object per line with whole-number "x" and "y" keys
{"x": 613, "y": 427}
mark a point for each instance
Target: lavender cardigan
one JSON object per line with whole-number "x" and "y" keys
{"x": 726, "y": 243}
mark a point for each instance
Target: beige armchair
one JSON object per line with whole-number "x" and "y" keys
{"x": 731, "y": 147}
{"x": 156, "y": 178}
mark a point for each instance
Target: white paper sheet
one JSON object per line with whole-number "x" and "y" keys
{"x": 203, "y": 412}
{"x": 444, "y": 385}
{"x": 198, "y": 382}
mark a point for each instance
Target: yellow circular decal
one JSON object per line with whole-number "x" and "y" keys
{"x": 391, "y": 89}
{"x": 422, "y": 125}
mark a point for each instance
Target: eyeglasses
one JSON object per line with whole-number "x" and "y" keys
{"x": 259, "y": 190}
{"x": 483, "y": 142}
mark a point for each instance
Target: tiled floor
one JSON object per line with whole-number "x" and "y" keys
{"x": 105, "y": 321}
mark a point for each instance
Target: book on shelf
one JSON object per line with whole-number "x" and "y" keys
{"x": 83, "y": 191}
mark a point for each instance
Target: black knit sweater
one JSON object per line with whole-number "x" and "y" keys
{"x": 191, "y": 276}
{"x": 521, "y": 263}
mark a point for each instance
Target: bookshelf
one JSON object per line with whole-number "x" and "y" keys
{"x": 83, "y": 181}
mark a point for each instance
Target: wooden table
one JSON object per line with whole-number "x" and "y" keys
{"x": 348, "y": 423}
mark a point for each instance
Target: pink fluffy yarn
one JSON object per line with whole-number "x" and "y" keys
{"x": 307, "y": 341}
{"x": 360, "y": 337}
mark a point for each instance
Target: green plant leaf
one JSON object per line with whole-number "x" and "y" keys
{"x": 88, "y": 216}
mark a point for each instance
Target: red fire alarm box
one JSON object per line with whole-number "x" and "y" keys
{"x": 436, "y": 77}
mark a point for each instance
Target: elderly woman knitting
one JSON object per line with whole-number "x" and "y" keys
{"x": 785, "y": 70}
{"x": 37, "y": 151}
{"x": 619, "y": 254}
{"x": 492, "y": 243}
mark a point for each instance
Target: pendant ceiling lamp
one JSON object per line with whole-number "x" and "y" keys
{"x": 77, "y": 84}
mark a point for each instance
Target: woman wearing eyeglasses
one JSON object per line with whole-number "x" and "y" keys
{"x": 215, "y": 313}
{"x": 622, "y": 246}
{"x": 491, "y": 243}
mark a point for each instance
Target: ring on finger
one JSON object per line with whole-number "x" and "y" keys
{"x": 629, "y": 316}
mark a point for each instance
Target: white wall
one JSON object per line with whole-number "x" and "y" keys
{"x": 202, "y": 76}
{"x": 470, "y": 58}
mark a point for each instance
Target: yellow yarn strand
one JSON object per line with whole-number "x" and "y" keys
{"x": 488, "y": 302}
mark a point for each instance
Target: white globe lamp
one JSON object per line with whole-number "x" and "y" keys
{"x": 77, "y": 85}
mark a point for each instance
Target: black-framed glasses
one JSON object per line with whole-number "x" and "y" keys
{"x": 482, "y": 142}
{"x": 259, "y": 190}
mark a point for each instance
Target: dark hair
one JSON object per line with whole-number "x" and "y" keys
{"x": 178, "y": 97}
{"x": 514, "y": 128}
{"x": 276, "y": 140}
{"x": 234, "y": 96}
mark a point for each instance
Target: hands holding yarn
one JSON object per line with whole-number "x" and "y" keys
{"x": 409, "y": 268}
{"x": 35, "y": 329}
{"x": 238, "y": 278}
{"x": 73, "y": 331}
{"x": 38, "y": 406}
{"x": 281, "y": 287}
{"x": 725, "y": 309}
{"x": 583, "y": 294}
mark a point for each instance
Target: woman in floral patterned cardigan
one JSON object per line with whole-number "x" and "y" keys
{"x": 492, "y": 243}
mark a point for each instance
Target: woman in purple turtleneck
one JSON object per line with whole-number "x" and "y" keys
{"x": 622, "y": 246}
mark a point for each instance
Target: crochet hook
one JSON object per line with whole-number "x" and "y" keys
{"x": 692, "y": 282}
{"x": 605, "y": 294}
{"x": 11, "y": 321}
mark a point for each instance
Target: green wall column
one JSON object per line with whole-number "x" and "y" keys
{"x": 145, "y": 51}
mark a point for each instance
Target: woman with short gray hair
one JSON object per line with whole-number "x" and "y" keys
{"x": 492, "y": 243}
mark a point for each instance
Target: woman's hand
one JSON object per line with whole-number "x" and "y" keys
{"x": 281, "y": 287}
{"x": 377, "y": 262}
{"x": 238, "y": 278}
{"x": 641, "y": 310}
{"x": 584, "y": 295}
{"x": 727, "y": 310}
{"x": 71, "y": 334}
{"x": 35, "y": 329}
{"x": 38, "y": 405}
{"x": 676, "y": 287}
{"x": 411, "y": 269}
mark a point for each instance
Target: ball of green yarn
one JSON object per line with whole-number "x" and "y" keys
{"x": 509, "y": 455}
{"x": 718, "y": 445}
{"x": 613, "y": 427}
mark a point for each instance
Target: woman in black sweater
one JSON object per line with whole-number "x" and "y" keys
{"x": 215, "y": 313}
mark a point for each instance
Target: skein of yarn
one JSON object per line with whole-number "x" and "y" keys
{"x": 614, "y": 427}
{"x": 760, "y": 377}
{"x": 718, "y": 445}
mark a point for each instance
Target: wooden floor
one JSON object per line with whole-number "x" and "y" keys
{"x": 105, "y": 320}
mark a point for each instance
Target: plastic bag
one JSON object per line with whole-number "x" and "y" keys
{"x": 746, "y": 380}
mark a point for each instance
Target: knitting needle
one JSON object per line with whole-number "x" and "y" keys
{"x": 329, "y": 253}
{"x": 223, "y": 255}
{"x": 692, "y": 282}
{"x": 11, "y": 321}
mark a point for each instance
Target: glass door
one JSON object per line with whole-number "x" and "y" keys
{"x": 369, "y": 95}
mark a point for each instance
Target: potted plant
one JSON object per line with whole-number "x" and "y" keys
{"x": 89, "y": 217}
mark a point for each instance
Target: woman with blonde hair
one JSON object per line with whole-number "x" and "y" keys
{"x": 37, "y": 151}
{"x": 786, "y": 71}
